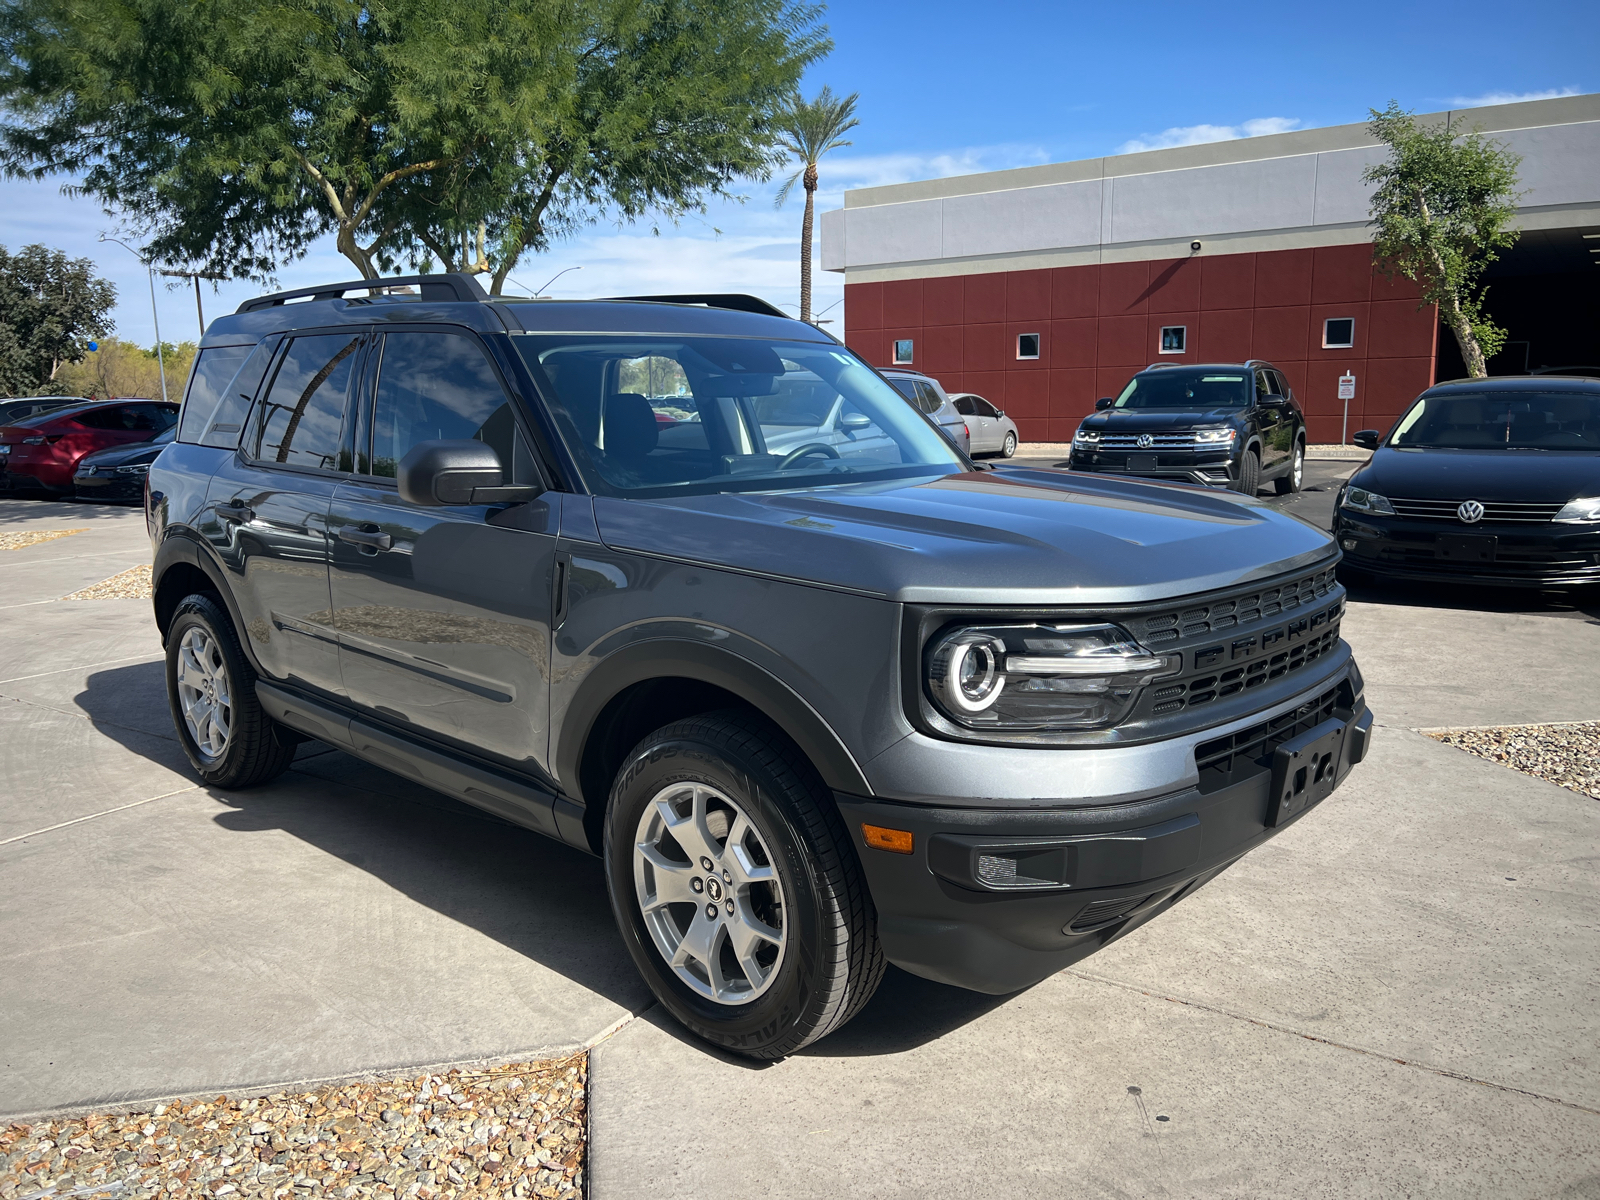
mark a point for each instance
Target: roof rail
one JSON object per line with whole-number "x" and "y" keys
{"x": 432, "y": 287}
{"x": 1156, "y": 366}
{"x": 733, "y": 300}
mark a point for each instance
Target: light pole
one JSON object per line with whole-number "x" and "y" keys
{"x": 197, "y": 276}
{"x": 553, "y": 278}
{"x": 161, "y": 362}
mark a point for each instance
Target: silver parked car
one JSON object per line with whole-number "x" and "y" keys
{"x": 990, "y": 430}
{"x": 927, "y": 396}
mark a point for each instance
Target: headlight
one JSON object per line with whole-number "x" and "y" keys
{"x": 1368, "y": 502}
{"x": 1585, "y": 509}
{"x": 1040, "y": 677}
{"x": 135, "y": 469}
{"x": 1210, "y": 437}
{"x": 1086, "y": 437}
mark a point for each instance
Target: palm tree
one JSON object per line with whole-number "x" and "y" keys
{"x": 808, "y": 130}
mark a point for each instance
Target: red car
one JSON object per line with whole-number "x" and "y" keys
{"x": 43, "y": 450}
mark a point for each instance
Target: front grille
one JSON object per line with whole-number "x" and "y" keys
{"x": 1164, "y": 628}
{"x": 1512, "y": 562}
{"x": 1158, "y": 441}
{"x": 1227, "y": 760}
{"x": 1503, "y": 511}
{"x": 1105, "y": 912}
{"x": 1230, "y": 682}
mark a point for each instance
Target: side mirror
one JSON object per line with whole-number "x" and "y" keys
{"x": 851, "y": 422}
{"x": 1103, "y": 403}
{"x": 1274, "y": 402}
{"x": 438, "y": 473}
{"x": 1367, "y": 439}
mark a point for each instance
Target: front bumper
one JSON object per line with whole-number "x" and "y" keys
{"x": 996, "y": 900}
{"x": 109, "y": 487}
{"x": 1211, "y": 468}
{"x": 1508, "y": 555}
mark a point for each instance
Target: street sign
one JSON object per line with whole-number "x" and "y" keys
{"x": 1347, "y": 393}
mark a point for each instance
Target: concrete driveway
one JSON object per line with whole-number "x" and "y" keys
{"x": 1393, "y": 998}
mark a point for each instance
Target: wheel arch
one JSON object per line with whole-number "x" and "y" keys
{"x": 650, "y": 684}
{"x": 184, "y": 566}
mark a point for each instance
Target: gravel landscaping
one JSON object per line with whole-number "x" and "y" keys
{"x": 19, "y": 541}
{"x": 132, "y": 584}
{"x": 515, "y": 1130}
{"x": 1568, "y": 754}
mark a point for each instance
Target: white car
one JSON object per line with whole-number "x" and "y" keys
{"x": 992, "y": 432}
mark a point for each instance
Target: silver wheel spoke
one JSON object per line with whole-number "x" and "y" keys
{"x": 204, "y": 693}
{"x": 736, "y": 894}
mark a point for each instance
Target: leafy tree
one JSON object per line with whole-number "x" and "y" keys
{"x": 1442, "y": 208}
{"x": 50, "y": 308}
{"x": 464, "y": 130}
{"x": 810, "y": 130}
{"x": 118, "y": 368}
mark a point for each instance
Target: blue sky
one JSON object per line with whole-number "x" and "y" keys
{"x": 952, "y": 88}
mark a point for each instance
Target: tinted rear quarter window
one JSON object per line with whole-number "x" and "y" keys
{"x": 109, "y": 416}
{"x": 214, "y": 368}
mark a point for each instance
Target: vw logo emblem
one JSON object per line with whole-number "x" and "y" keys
{"x": 1146, "y": 441}
{"x": 1470, "y": 512}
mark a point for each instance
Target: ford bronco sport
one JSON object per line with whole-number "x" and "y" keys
{"x": 684, "y": 583}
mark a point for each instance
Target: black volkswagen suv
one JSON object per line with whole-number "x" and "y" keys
{"x": 1233, "y": 425}
{"x": 694, "y": 590}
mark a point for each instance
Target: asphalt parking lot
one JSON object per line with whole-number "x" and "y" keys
{"x": 1393, "y": 998}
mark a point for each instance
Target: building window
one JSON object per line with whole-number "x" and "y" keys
{"x": 1174, "y": 338}
{"x": 1027, "y": 345}
{"x": 902, "y": 352}
{"x": 1338, "y": 333}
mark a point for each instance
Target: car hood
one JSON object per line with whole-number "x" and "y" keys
{"x": 1008, "y": 536}
{"x": 124, "y": 456}
{"x": 1535, "y": 476}
{"x": 1145, "y": 420}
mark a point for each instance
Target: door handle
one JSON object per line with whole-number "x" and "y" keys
{"x": 362, "y": 537}
{"x": 240, "y": 513}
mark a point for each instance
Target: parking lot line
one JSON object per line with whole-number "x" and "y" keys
{"x": 22, "y": 837}
{"x": 83, "y": 666}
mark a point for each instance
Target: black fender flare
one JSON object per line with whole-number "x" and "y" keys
{"x": 181, "y": 546}
{"x": 662, "y": 658}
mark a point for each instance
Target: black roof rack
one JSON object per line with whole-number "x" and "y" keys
{"x": 734, "y": 300}
{"x": 449, "y": 287}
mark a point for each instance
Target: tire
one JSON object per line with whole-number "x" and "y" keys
{"x": 1249, "y": 474}
{"x": 1009, "y": 446}
{"x": 742, "y": 782}
{"x": 246, "y": 747}
{"x": 1295, "y": 479}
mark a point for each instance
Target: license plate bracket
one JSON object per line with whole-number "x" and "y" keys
{"x": 1304, "y": 770}
{"x": 1142, "y": 462}
{"x": 1466, "y": 547}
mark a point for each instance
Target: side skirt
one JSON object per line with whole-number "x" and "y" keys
{"x": 513, "y": 800}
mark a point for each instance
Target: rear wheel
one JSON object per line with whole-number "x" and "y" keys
{"x": 736, "y": 888}
{"x": 1009, "y": 447}
{"x": 1296, "y": 477}
{"x": 211, "y": 689}
{"x": 1249, "y": 481}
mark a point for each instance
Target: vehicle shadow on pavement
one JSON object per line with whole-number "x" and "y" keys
{"x": 1574, "y": 605}
{"x": 17, "y": 509}
{"x": 907, "y": 1012}
{"x": 535, "y": 896}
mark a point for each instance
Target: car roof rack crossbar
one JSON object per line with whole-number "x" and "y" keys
{"x": 447, "y": 287}
{"x": 734, "y": 300}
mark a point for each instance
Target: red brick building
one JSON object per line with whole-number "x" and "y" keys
{"x": 1246, "y": 249}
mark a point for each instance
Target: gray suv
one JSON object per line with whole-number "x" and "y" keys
{"x": 687, "y": 585}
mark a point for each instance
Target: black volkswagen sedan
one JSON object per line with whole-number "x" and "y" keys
{"x": 1490, "y": 481}
{"x": 118, "y": 473}
{"x": 1234, "y": 425}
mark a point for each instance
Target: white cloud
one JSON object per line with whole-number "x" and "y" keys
{"x": 1509, "y": 97}
{"x": 1194, "y": 135}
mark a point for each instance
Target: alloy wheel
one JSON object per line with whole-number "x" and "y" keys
{"x": 709, "y": 893}
{"x": 204, "y": 692}
{"x": 1299, "y": 470}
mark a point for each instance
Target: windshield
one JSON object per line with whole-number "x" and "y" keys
{"x": 1187, "y": 389}
{"x": 657, "y": 416}
{"x": 1510, "y": 420}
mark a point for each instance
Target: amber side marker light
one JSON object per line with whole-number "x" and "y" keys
{"x": 896, "y": 841}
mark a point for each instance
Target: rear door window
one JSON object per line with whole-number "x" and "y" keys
{"x": 301, "y": 418}
{"x": 105, "y": 416}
